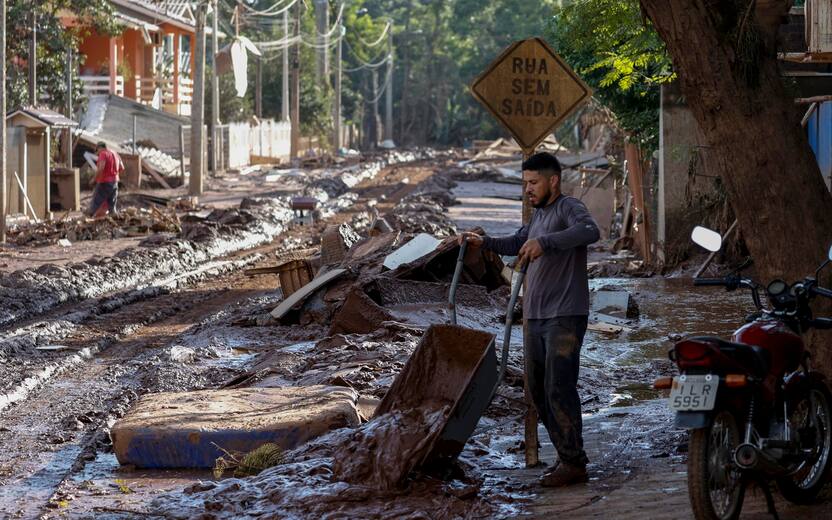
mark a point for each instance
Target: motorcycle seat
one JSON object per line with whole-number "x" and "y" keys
{"x": 752, "y": 359}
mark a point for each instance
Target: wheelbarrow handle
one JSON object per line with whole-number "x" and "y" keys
{"x": 455, "y": 282}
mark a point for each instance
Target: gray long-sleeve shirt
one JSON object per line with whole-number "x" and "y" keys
{"x": 556, "y": 283}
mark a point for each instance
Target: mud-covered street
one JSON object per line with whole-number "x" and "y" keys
{"x": 75, "y": 364}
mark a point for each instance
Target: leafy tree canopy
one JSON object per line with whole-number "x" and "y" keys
{"x": 619, "y": 54}
{"x": 54, "y": 40}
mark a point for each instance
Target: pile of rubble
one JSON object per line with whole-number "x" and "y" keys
{"x": 129, "y": 222}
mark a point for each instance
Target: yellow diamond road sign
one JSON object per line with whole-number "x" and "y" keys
{"x": 530, "y": 90}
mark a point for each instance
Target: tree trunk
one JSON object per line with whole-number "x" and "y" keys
{"x": 734, "y": 89}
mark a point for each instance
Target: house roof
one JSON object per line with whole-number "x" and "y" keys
{"x": 44, "y": 116}
{"x": 174, "y": 12}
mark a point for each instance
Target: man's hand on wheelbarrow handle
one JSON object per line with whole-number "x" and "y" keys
{"x": 474, "y": 240}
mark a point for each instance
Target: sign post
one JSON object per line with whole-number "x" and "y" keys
{"x": 530, "y": 90}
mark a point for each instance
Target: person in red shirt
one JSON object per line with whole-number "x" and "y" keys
{"x": 105, "y": 196}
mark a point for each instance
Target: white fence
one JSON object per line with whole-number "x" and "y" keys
{"x": 238, "y": 151}
{"x": 271, "y": 139}
{"x": 268, "y": 140}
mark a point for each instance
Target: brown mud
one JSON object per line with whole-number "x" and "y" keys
{"x": 215, "y": 332}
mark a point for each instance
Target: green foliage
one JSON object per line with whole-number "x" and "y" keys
{"x": 54, "y": 39}
{"x": 232, "y": 108}
{"x": 620, "y": 56}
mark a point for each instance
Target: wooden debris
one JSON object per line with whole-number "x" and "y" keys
{"x": 129, "y": 222}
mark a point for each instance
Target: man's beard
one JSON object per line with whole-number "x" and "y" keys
{"x": 543, "y": 201}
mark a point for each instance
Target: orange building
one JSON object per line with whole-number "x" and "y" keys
{"x": 150, "y": 61}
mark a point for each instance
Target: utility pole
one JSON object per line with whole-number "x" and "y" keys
{"x": 215, "y": 89}
{"x": 295, "y": 90}
{"x": 322, "y": 19}
{"x": 258, "y": 89}
{"x": 388, "y": 93}
{"x": 284, "y": 112}
{"x": 3, "y": 184}
{"x": 198, "y": 108}
{"x": 68, "y": 144}
{"x": 336, "y": 116}
{"x": 33, "y": 62}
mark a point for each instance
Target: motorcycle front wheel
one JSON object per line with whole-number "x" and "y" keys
{"x": 811, "y": 418}
{"x": 715, "y": 483}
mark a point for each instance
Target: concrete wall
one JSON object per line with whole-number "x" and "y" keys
{"x": 686, "y": 184}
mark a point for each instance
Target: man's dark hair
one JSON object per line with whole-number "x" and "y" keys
{"x": 101, "y": 145}
{"x": 543, "y": 163}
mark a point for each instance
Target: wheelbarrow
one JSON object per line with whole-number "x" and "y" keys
{"x": 456, "y": 367}
{"x": 515, "y": 293}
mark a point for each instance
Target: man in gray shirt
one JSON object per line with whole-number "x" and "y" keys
{"x": 555, "y": 307}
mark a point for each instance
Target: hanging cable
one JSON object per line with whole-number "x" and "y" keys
{"x": 335, "y": 25}
{"x": 378, "y": 41}
{"x": 274, "y": 10}
{"x": 362, "y": 60}
{"x": 388, "y": 77}
{"x": 369, "y": 65}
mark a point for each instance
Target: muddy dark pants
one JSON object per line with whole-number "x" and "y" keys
{"x": 553, "y": 352}
{"x": 104, "y": 192}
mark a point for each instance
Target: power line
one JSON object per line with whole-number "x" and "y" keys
{"x": 271, "y": 11}
{"x": 378, "y": 41}
{"x": 366, "y": 65}
{"x": 383, "y": 88}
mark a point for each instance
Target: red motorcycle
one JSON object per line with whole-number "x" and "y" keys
{"x": 755, "y": 409}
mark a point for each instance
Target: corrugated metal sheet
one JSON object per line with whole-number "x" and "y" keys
{"x": 819, "y": 131}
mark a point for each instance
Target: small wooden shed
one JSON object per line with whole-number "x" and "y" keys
{"x": 29, "y": 164}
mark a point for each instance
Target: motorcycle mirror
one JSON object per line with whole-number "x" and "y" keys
{"x": 709, "y": 239}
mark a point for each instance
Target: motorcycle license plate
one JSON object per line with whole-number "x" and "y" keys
{"x": 693, "y": 393}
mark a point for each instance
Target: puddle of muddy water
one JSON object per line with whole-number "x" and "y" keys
{"x": 622, "y": 366}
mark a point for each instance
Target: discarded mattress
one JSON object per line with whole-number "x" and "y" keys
{"x": 187, "y": 429}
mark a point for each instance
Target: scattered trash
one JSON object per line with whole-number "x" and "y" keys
{"x": 300, "y": 296}
{"x": 128, "y": 222}
{"x": 359, "y": 315}
{"x": 413, "y": 250}
{"x": 619, "y": 304}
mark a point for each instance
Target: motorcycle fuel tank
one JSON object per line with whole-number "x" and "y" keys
{"x": 784, "y": 346}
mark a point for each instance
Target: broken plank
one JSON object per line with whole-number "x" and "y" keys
{"x": 156, "y": 175}
{"x": 300, "y": 296}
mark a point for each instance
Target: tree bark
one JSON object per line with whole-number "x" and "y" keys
{"x": 753, "y": 132}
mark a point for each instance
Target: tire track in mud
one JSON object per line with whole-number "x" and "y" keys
{"x": 18, "y": 379}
